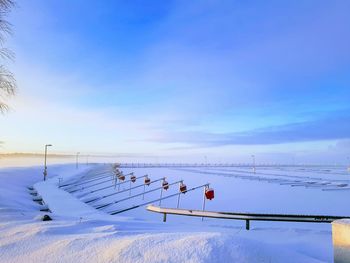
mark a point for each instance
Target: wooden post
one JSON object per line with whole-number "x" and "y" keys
{"x": 247, "y": 226}
{"x": 164, "y": 217}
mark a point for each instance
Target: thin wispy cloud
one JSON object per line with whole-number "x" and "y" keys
{"x": 149, "y": 76}
{"x": 332, "y": 128}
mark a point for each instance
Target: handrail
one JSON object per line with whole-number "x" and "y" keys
{"x": 246, "y": 216}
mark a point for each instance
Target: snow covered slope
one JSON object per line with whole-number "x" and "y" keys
{"x": 80, "y": 233}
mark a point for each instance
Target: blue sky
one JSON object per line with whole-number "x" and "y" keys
{"x": 182, "y": 79}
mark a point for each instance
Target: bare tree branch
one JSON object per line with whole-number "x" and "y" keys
{"x": 6, "y": 5}
{"x": 8, "y": 83}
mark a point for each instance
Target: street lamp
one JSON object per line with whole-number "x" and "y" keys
{"x": 45, "y": 167}
{"x": 76, "y": 160}
{"x": 254, "y": 169}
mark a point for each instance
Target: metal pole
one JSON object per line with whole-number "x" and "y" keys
{"x": 83, "y": 181}
{"x": 76, "y": 160}
{"x": 153, "y": 201}
{"x": 254, "y": 165}
{"x": 45, "y": 167}
{"x": 254, "y": 169}
{"x": 178, "y": 199}
{"x": 161, "y": 195}
{"x": 45, "y": 154}
{"x": 89, "y": 186}
{"x": 130, "y": 197}
{"x": 78, "y": 181}
{"x": 203, "y": 207}
{"x": 109, "y": 186}
{"x": 105, "y": 196}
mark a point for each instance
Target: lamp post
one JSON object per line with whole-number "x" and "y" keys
{"x": 76, "y": 160}
{"x": 45, "y": 167}
{"x": 254, "y": 169}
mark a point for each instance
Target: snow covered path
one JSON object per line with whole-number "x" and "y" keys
{"x": 80, "y": 233}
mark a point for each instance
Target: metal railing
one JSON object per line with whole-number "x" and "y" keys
{"x": 245, "y": 216}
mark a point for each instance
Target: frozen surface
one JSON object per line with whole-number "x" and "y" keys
{"x": 80, "y": 233}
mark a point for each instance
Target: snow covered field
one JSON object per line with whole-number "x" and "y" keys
{"x": 80, "y": 233}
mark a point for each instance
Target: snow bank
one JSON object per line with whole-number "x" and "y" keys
{"x": 82, "y": 234}
{"x": 92, "y": 242}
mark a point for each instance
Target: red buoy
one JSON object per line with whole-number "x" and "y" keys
{"x": 165, "y": 185}
{"x": 147, "y": 181}
{"x": 121, "y": 177}
{"x": 209, "y": 193}
{"x": 183, "y": 188}
{"x": 133, "y": 178}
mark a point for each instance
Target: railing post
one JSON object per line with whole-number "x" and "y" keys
{"x": 178, "y": 198}
{"x": 161, "y": 195}
{"x": 203, "y": 207}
